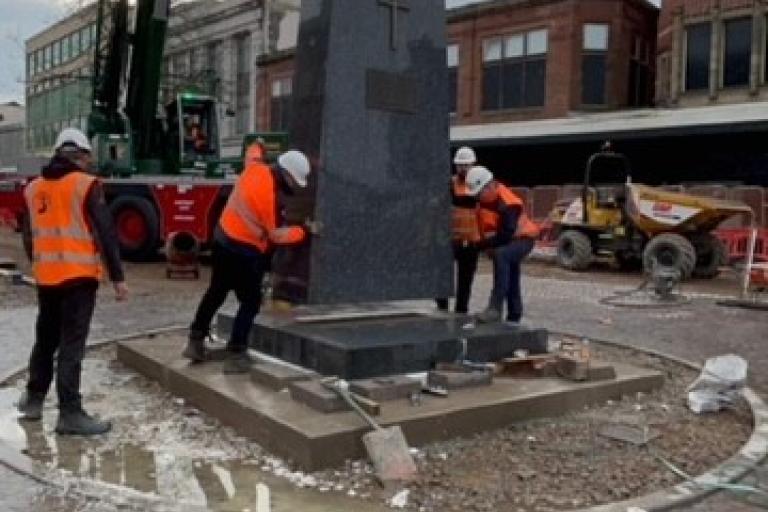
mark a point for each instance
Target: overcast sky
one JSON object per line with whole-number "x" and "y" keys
{"x": 20, "y": 19}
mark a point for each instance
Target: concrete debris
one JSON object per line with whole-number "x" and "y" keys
{"x": 400, "y": 500}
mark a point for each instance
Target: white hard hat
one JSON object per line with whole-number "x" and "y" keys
{"x": 74, "y": 137}
{"x": 296, "y": 164}
{"x": 477, "y": 179}
{"x": 465, "y": 156}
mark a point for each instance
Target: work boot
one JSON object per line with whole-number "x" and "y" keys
{"x": 195, "y": 349}
{"x": 489, "y": 316}
{"x": 76, "y": 422}
{"x": 237, "y": 363}
{"x": 31, "y": 406}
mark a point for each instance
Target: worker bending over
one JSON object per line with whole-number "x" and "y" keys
{"x": 249, "y": 227}
{"x": 509, "y": 237}
{"x": 69, "y": 231}
{"x": 465, "y": 233}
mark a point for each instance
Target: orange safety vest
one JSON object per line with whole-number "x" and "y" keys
{"x": 63, "y": 246}
{"x": 489, "y": 219}
{"x": 465, "y": 225}
{"x": 251, "y": 216}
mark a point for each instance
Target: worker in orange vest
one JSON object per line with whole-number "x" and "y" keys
{"x": 69, "y": 231}
{"x": 509, "y": 237}
{"x": 249, "y": 227}
{"x": 465, "y": 231}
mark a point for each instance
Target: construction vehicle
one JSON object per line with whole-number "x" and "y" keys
{"x": 161, "y": 166}
{"x": 640, "y": 226}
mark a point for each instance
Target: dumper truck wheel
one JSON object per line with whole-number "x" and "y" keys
{"x": 670, "y": 250}
{"x": 710, "y": 255}
{"x": 574, "y": 250}
{"x": 138, "y": 227}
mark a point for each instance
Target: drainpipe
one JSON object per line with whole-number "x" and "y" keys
{"x": 758, "y": 34}
{"x": 715, "y": 56}
{"x": 676, "y": 60}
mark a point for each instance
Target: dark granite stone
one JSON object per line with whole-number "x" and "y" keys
{"x": 362, "y": 349}
{"x": 371, "y": 112}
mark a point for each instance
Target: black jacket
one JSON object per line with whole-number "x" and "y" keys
{"x": 97, "y": 215}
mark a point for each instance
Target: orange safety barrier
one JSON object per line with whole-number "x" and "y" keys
{"x": 737, "y": 243}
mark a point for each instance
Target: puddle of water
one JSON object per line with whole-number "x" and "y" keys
{"x": 154, "y": 458}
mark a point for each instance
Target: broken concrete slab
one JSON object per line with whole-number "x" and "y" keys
{"x": 382, "y": 389}
{"x": 631, "y": 434}
{"x": 314, "y": 441}
{"x": 374, "y": 347}
{"x": 459, "y": 380}
{"x": 277, "y": 377}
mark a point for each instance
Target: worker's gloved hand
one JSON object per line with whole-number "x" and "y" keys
{"x": 121, "y": 291}
{"x": 313, "y": 227}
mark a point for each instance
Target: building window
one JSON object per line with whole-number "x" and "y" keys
{"x": 243, "y": 84}
{"x": 639, "y": 72}
{"x": 56, "y": 53}
{"x": 85, "y": 38}
{"x": 515, "y": 71}
{"x": 738, "y": 52}
{"x": 65, "y": 49}
{"x": 74, "y": 43}
{"x": 280, "y": 104}
{"x": 594, "y": 64}
{"x": 30, "y": 65}
{"x": 698, "y": 40}
{"x": 452, "y": 57}
{"x": 181, "y": 66}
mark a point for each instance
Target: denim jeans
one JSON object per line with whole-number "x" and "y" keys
{"x": 506, "y": 277}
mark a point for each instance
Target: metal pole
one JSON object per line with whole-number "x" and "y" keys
{"x": 750, "y": 262}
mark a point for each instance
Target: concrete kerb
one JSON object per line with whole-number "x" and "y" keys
{"x": 744, "y": 462}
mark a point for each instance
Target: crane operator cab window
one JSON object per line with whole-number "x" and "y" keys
{"x": 197, "y": 125}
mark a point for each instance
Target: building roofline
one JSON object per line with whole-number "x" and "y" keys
{"x": 79, "y": 12}
{"x": 621, "y": 125}
{"x": 477, "y": 9}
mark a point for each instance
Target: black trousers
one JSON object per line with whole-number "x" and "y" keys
{"x": 232, "y": 272}
{"x": 63, "y": 323}
{"x": 466, "y": 267}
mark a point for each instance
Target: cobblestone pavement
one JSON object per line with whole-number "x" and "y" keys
{"x": 696, "y": 331}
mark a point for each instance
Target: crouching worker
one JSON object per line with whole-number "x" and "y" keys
{"x": 249, "y": 227}
{"x": 69, "y": 231}
{"x": 509, "y": 237}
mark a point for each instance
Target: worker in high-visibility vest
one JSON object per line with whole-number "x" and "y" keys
{"x": 69, "y": 231}
{"x": 465, "y": 231}
{"x": 509, "y": 237}
{"x": 250, "y": 226}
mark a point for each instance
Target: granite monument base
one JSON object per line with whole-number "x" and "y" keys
{"x": 352, "y": 346}
{"x": 314, "y": 440}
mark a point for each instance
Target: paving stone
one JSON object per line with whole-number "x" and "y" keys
{"x": 459, "y": 380}
{"x": 574, "y": 369}
{"x": 315, "y": 395}
{"x": 382, "y": 389}
{"x": 277, "y": 377}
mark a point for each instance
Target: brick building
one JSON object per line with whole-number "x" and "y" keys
{"x": 515, "y": 60}
{"x": 712, "y": 52}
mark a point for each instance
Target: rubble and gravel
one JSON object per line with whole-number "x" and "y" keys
{"x": 544, "y": 465}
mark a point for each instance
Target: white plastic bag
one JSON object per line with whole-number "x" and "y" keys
{"x": 720, "y": 383}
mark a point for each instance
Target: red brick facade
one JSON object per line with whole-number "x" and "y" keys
{"x": 676, "y": 17}
{"x": 564, "y": 20}
{"x": 628, "y": 21}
